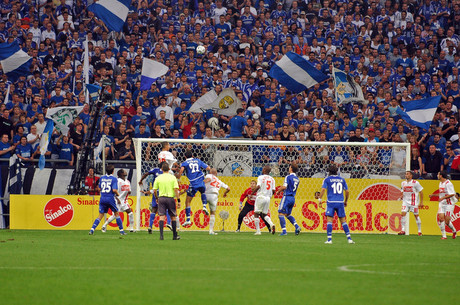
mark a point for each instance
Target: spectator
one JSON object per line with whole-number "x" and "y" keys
{"x": 432, "y": 163}
{"x": 66, "y": 150}
{"x": 91, "y": 182}
{"x": 126, "y": 152}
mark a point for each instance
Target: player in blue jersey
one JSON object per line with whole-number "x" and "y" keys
{"x": 193, "y": 170}
{"x": 290, "y": 186}
{"x": 155, "y": 172}
{"x": 337, "y": 198}
{"x": 108, "y": 184}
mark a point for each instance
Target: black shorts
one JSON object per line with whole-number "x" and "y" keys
{"x": 167, "y": 203}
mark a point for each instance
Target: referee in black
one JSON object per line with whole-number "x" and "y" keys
{"x": 165, "y": 188}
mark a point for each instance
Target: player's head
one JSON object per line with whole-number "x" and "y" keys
{"x": 164, "y": 145}
{"x": 333, "y": 170}
{"x": 294, "y": 168}
{"x": 266, "y": 170}
{"x": 109, "y": 169}
{"x": 442, "y": 174}
{"x": 253, "y": 184}
{"x": 409, "y": 175}
{"x": 165, "y": 167}
{"x": 121, "y": 174}
{"x": 188, "y": 154}
{"x": 213, "y": 171}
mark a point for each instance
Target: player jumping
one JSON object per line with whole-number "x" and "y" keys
{"x": 124, "y": 188}
{"x": 213, "y": 185}
{"x": 447, "y": 200}
{"x": 265, "y": 187}
{"x": 291, "y": 183}
{"x": 412, "y": 197}
{"x": 193, "y": 170}
{"x": 249, "y": 205}
{"x": 336, "y": 186}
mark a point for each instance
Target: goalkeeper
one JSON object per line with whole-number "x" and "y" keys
{"x": 249, "y": 206}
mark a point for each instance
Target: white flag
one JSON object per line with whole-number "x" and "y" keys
{"x": 63, "y": 116}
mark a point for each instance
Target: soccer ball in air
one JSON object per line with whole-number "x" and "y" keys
{"x": 213, "y": 123}
{"x": 200, "y": 50}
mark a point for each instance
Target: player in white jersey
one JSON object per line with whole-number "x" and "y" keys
{"x": 447, "y": 200}
{"x": 213, "y": 185}
{"x": 264, "y": 189}
{"x": 124, "y": 189}
{"x": 166, "y": 156}
{"x": 412, "y": 200}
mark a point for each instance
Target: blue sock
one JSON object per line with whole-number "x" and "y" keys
{"x": 120, "y": 223}
{"x": 292, "y": 220}
{"x": 282, "y": 223}
{"x": 204, "y": 200}
{"x": 168, "y": 218}
{"x": 329, "y": 230}
{"x": 346, "y": 230}
{"x": 188, "y": 211}
{"x": 95, "y": 224}
{"x": 151, "y": 219}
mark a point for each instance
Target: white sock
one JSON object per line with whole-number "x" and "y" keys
{"x": 442, "y": 226}
{"x": 131, "y": 219}
{"x": 212, "y": 220}
{"x": 109, "y": 220}
{"x": 451, "y": 226}
{"x": 419, "y": 224}
{"x": 256, "y": 222}
{"x": 268, "y": 219}
{"x": 403, "y": 223}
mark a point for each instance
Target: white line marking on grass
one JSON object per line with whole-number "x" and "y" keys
{"x": 348, "y": 269}
{"x": 356, "y": 269}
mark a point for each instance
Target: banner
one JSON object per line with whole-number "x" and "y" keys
{"x": 225, "y": 104}
{"x": 346, "y": 88}
{"x": 234, "y": 163}
{"x": 63, "y": 116}
{"x": 368, "y": 209}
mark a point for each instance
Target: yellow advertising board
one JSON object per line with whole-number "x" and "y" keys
{"x": 373, "y": 208}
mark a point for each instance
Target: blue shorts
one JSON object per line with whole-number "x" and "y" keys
{"x": 335, "y": 207}
{"x": 106, "y": 204}
{"x": 154, "y": 203}
{"x": 286, "y": 205}
{"x": 192, "y": 190}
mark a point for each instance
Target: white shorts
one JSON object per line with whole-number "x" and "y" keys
{"x": 212, "y": 201}
{"x": 410, "y": 208}
{"x": 123, "y": 206}
{"x": 446, "y": 209}
{"x": 262, "y": 204}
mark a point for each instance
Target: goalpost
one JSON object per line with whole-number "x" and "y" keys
{"x": 373, "y": 172}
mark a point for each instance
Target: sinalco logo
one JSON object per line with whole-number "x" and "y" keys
{"x": 58, "y": 212}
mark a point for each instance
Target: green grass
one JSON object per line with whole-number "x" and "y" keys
{"x": 70, "y": 267}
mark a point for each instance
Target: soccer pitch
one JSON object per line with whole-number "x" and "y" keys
{"x": 70, "y": 267}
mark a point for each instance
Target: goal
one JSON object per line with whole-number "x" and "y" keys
{"x": 373, "y": 171}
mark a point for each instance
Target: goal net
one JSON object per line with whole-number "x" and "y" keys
{"x": 373, "y": 172}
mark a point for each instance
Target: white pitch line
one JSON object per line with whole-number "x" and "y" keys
{"x": 351, "y": 268}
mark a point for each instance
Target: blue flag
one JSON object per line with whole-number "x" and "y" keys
{"x": 15, "y": 62}
{"x": 44, "y": 142}
{"x": 296, "y": 73}
{"x": 151, "y": 71}
{"x": 112, "y": 12}
{"x": 420, "y": 112}
{"x": 15, "y": 181}
{"x": 93, "y": 90}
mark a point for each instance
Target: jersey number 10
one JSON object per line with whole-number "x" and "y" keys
{"x": 337, "y": 187}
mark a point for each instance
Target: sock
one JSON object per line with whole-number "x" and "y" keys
{"x": 188, "y": 211}
{"x": 442, "y": 226}
{"x": 282, "y": 223}
{"x": 151, "y": 219}
{"x": 403, "y": 223}
{"x": 419, "y": 224}
{"x": 131, "y": 219}
{"x": 292, "y": 220}
{"x": 329, "y": 230}
{"x": 120, "y": 223}
{"x": 109, "y": 220}
{"x": 177, "y": 223}
{"x": 174, "y": 227}
{"x": 162, "y": 224}
{"x": 268, "y": 220}
{"x": 257, "y": 223}
{"x": 95, "y": 224}
{"x": 346, "y": 230}
{"x": 451, "y": 226}
{"x": 212, "y": 220}
{"x": 204, "y": 200}
{"x": 168, "y": 218}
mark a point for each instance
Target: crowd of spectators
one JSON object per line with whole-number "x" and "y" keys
{"x": 396, "y": 50}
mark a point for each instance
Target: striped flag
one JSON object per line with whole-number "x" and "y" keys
{"x": 15, "y": 181}
{"x": 151, "y": 70}
{"x": 296, "y": 73}
{"x": 44, "y": 142}
{"x": 112, "y": 12}
{"x": 15, "y": 62}
{"x": 93, "y": 90}
{"x": 420, "y": 112}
